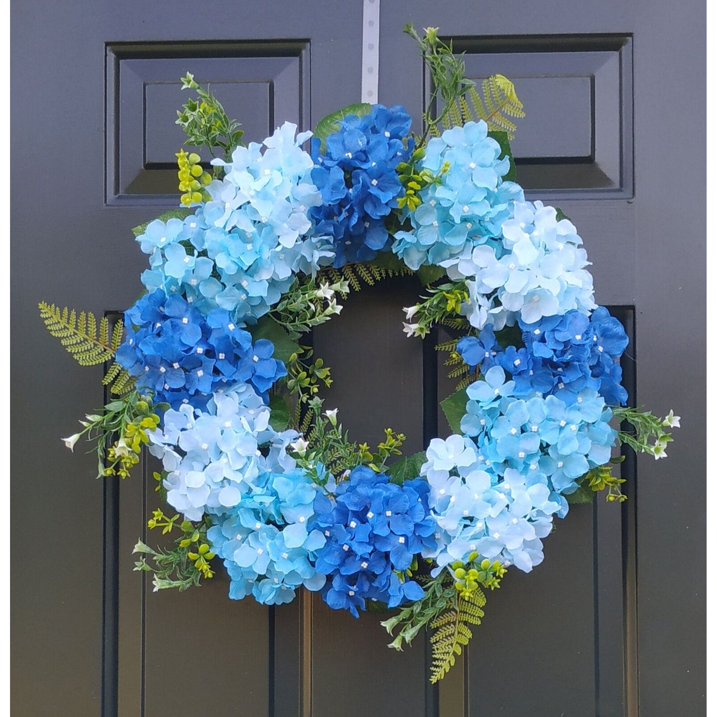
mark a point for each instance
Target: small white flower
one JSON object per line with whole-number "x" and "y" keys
{"x": 300, "y": 445}
{"x": 331, "y": 415}
{"x": 410, "y": 311}
{"x": 410, "y": 329}
{"x": 333, "y": 307}
{"x": 325, "y": 292}
{"x": 71, "y": 440}
{"x": 671, "y": 421}
{"x": 659, "y": 451}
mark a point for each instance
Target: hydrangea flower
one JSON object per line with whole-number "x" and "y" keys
{"x": 536, "y": 270}
{"x": 374, "y": 529}
{"x": 213, "y": 457}
{"x": 241, "y": 251}
{"x": 469, "y": 203}
{"x": 501, "y": 517}
{"x": 541, "y": 435}
{"x": 563, "y": 355}
{"x": 359, "y": 183}
{"x": 180, "y": 354}
{"x": 264, "y": 541}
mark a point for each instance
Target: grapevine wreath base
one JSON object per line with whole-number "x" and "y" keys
{"x": 211, "y": 372}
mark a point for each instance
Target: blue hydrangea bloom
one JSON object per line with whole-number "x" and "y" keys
{"x": 563, "y": 355}
{"x": 359, "y": 183}
{"x": 264, "y": 541}
{"x": 242, "y": 250}
{"x": 212, "y": 456}
{"x": 469, "y": 204}
{"x": 374, "y": 529}
{"x": 181, "y": 354}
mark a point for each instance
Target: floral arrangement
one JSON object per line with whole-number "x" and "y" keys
{"x": 209, "y": 374}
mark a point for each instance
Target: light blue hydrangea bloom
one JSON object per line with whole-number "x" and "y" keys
{"x": 469, "y": 204}
{"x": 242, "y": 250}
{"x": 501, "y": 517}
{"x": 212, "y": 456}
{"x": 264, "y": 542}
{"x": 541, "y": 435}
{"x": 537, "y": 270}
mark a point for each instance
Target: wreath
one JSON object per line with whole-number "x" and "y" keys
{"x": 211, "y": 371}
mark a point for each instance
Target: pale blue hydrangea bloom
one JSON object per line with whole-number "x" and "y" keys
{"x": 467, "y": 206}
{"x": 501, "y": 517}
{"x": 537, "y": 270}
{"x": 212, "y": 456}
{"x": 264, "y": 542}
{"x": 242, "y": 250}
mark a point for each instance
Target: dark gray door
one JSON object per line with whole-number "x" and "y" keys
{"x": 612, "y": 622}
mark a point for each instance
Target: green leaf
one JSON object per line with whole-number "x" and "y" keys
{"x": 181, "y": 213}
{"x": 560, "y": 214}
{"x": 280, "y": 412}
{"x": 584, "y": 494}
{"x": 407, "y": 468}
{"x": 454, "y": 408}
{"x": 502, "y": 139}
{"x": 332, "y": 123}
{"x": 284, "y": 346}
{"x": 427, "y": 274}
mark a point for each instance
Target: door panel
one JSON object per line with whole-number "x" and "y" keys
{"x": 95, "y": 88}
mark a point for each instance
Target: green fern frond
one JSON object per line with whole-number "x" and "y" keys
{"x": 451, "y": 632}
{"x": 450, "y": 346}
{"x": 118, "y": 379}
{"x": 88, "y": 343}
{"x": 498, "y": 102}
{"x": 460, "y": 371}
{"x": 466, "y": 381}
{"x": 458, "y": 324}
{"x": 359, "y": 275}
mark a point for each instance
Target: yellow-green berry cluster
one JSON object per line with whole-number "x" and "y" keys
{"x": 125, "y": 452}
{"x": 473, "y": 574}
{"x": 192, "y": 178}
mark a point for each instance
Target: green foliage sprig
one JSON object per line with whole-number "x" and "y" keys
{"x": 184, "y": 565}
{"x": 461, "y": 100}
{"x": 327, "y": 450}
{"x": 305, "y": 377}
{"x": 442, "y": 306}
{"x": 414, "y": 180}
{"x": 119, "y": 431}
{"x": 647, "y": 433}
{"x": 448, "y": 72}
{"x": 308, "y": 304}
{"x": 450, "y": 606}
{"x": 205, "y": 122}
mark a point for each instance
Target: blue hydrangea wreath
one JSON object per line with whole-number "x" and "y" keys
{"x": 210, "y": 374}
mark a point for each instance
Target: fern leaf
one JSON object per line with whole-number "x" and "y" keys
{"x": 457, "y": 324}
{"x": 451, "y": 345}
{"x": 459, "y": 372}
{"x": 499, "y": 101}
{"x": 452, "y": 632}
{"x": 118, "y": 379}
{"x": 79, "y": 335}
